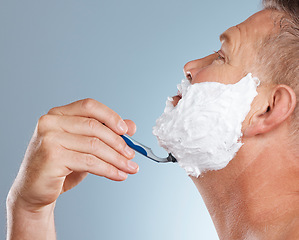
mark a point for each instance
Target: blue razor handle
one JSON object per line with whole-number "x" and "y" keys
{"x": 146, "y": 151}
{"x": 134, "y": 145}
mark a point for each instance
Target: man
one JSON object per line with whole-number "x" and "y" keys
{"x": 255, "y": 197}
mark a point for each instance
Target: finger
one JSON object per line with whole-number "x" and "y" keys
{"x": 93, "y": 109}
{"x": 82, "y": 162}
{"x": 94, "y": 146}
{"x": 87, "y": 127}
{"x": 131, "y": 127}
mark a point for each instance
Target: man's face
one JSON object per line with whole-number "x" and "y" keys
{"x": 236, "y": 58}
{"x": 204, "y": 130}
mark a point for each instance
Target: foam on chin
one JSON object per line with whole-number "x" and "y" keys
{"x": 203, "y": 132}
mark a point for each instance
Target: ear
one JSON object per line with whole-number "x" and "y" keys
{"x": 280, "y": 107}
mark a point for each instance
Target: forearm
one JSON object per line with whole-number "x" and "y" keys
{"x": 25, "y": 224}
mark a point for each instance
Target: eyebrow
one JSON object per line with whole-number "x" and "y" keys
{"x": 225, "y": 37}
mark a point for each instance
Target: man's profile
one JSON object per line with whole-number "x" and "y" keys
{"x": 256, "y": 196}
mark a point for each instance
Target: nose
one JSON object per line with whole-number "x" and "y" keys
{"x": 193, "y": 67}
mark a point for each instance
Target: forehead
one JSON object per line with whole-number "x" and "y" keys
{"x": 256, "y": 27}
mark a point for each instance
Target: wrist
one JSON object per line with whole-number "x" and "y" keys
{"x": 21, "y": 207}
{"x": 29, "y": 222}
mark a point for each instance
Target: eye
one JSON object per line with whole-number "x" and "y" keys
{"x": 220, "y": 55}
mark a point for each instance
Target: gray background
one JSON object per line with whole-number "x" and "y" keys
{"x": 128, "y": 55}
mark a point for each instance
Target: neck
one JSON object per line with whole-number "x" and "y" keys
{"x": 257, "y": 195}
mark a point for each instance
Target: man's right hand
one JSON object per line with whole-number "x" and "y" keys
{"x": 68, "y": 143}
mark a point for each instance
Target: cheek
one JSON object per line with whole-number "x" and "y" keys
{"x": 246, "y": 123}
{"x": 207, "y": 74}
{"x": 218, "y": 73}
{"x": 250, "y": 116}
{"x": 258, "y": 108}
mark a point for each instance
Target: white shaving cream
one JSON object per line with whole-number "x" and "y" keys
{"x": 203, "y": 132}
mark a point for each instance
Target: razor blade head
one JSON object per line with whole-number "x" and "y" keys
{"x": 171, "y": 158}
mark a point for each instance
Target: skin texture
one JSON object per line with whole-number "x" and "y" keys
{"x": 68, "y": 143}
{"x": 255, "y": 197}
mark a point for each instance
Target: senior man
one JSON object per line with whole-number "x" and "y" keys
{"x": 255, "y": 197}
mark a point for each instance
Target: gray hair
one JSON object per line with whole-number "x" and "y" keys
{"x": 279, "y": 53}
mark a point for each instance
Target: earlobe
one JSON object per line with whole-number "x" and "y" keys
{"x": 280, "y": 107}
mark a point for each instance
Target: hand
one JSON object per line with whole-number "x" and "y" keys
{"x": 68, "y": 143}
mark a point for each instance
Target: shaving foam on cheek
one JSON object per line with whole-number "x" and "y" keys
{"x": 203, "y": 132}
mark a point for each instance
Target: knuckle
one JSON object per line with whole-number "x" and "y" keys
{"x": 111, "y": 171}
{"x": 52, "y": 110}
{"x": 112, "y": 117}
{"x": 90, "y": 161}
{"x": 119, "y": 160}
{"x": 94, "y": 144}
{"x": 43, "y": 123}
{"x": 56, "y": 111}
{"x": 88, "y": 104}
{"x": 49, "y": 146}
{"x": 119, "y": 144}
{"x": 92, "y": 124}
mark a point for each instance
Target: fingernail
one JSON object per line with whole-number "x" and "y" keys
{"x": 122, "y": 126}
{"x": 122, "y": 174}
{"x": 132, "y": 165}
{"x": 129, "y": 151}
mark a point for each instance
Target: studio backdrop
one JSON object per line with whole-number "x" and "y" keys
{"x": 128, "y": 55}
